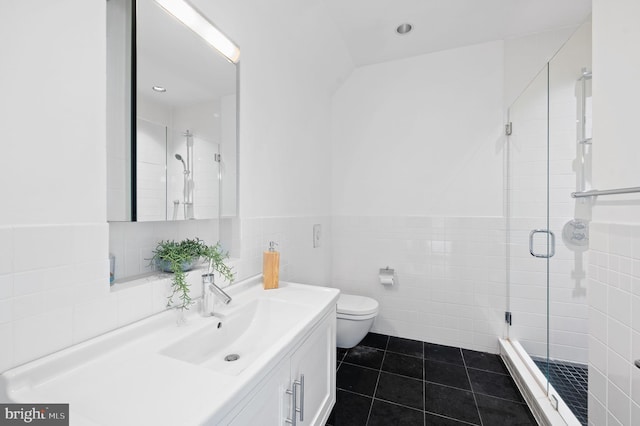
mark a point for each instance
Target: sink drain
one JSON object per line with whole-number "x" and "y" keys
{"x": 232, "y": 357}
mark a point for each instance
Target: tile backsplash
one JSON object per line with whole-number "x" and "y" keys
{"x": 48, "y": 274}
{"x": 54, "y": 279}
{"x": 132, "y": 243}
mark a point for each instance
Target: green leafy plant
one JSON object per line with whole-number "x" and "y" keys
{"x": 179, "y": 257}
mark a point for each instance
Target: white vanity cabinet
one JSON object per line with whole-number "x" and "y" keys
{"x": 310, "y": 369}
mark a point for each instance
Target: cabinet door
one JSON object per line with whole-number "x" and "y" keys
{"x": 316, "y": 360}
{"x": 270, "y": 405}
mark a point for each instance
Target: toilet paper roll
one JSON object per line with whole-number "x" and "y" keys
{"x": 386, "y": 279}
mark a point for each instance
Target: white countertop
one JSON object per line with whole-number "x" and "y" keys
{"x": 122, "y": 378}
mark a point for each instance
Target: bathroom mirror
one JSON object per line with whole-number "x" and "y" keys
{"x": 179, "y": 161}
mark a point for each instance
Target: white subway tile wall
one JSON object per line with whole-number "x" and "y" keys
{"x": 451, "y": 280}
{"x": 568, "y": 305}
{"x": 47, "y": 274}
{"x": 54, "y": 279}
{"x": 299, "y": 260}
{"x": 614, "y": 321}
{"x": 132, "y": 243}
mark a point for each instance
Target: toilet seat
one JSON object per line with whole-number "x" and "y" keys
{"x": 355, "y": 307}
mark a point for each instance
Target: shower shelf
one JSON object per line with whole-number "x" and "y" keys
{"x": 595, "y": 192}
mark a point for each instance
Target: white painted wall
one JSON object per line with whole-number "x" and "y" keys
{"x": 292, "y": 59}
{"x": 614, "y": 261}
{"x": 421, "y": 136}
{"x": 52, "y": 112}
{"x": 525, "y": 56}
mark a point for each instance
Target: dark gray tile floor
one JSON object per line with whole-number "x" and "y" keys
{"x": 393, "y": 381}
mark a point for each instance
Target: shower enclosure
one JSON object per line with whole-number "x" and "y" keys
{"x": 178, "y": 174}
{"x": 547, "y": 158}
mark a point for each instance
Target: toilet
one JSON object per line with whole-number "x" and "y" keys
{"x": 355, "y": 318}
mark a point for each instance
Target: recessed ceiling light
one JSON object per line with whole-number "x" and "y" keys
{"x": 404, "y": 28}
{"x": 159, "y": 89}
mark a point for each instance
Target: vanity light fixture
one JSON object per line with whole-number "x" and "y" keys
{"x": 190, "y": 17}
{"x": 404, "y": 28}
{"x": 159, "y": 89}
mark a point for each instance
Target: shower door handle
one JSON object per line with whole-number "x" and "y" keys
{"x": 551, "y": 246}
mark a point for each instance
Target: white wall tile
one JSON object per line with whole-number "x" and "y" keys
{"x": 619, "y": 338}
{"x": 94, "y": 317}
{"x": 598, "y": 354}
{"x": 6, "y": 354}
{"x": 6, "y": 250}
{"x": 6, "y": 286}
{"x": 635, "y": 413}
{"x": 618, "y": 405}
{"x": 28, "y": 306}
{"x": 443, "y": 273}
{"x": 44, "y": 246}
{"x": 598, "y": 325}
{"x": 6, "y": 311}
{"x": 612, "y": 304}
{"x": 60, "y": 277}
{"x": 28, "y": 282}
{"x": 43, "y": 334}
{"x": 597, "y": 411}
{"x": 90, "y": 242}
{"x": 618, "y": 372}
{"x": 597, "y": 384}
{"x": 134, "y": 304}
{"x": 619, "y": 305}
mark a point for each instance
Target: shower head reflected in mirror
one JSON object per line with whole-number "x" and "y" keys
{"x": 179, "y": 158}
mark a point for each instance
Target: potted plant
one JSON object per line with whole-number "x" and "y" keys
{"x": 180, "y": 257}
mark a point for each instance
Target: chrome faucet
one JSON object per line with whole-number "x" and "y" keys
{"x": 209, "y": 288}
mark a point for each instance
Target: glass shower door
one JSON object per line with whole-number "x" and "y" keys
{"x": 547, "y": 158}
{"x": 530, "y": 241}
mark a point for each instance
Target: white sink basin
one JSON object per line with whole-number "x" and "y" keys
{"x": 240, "y": 336}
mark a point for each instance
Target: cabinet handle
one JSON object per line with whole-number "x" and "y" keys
{"x": 301, "y": 382}
{"x": 294, "y": 401}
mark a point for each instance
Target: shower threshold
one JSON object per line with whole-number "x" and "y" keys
{"x": 534, "y": 387}
{"x": 571, "y": 382}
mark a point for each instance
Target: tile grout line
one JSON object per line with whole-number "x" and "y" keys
{"x": 475, "y": 400}
{"x": 468, "y": 370}
{"x": 424, "y": 390}
{"x": 375, "y": 389}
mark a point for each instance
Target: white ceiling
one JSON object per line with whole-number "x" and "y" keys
{"x": 172, "y": 56}
{"x": 368, "y": 26}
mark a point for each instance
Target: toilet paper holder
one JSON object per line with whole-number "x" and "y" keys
{"x": 387, "y": 276}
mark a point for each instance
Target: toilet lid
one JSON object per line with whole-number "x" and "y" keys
{"x": 356, "y": 305}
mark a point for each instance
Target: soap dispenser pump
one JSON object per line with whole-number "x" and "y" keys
{"x": 270, "y": 267}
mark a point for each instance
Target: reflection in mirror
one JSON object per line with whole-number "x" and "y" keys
{"x": 182, "y": 161}
{"x": 185, "y": 94}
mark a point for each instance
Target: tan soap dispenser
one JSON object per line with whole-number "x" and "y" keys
{"x": 270, "y": 267}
